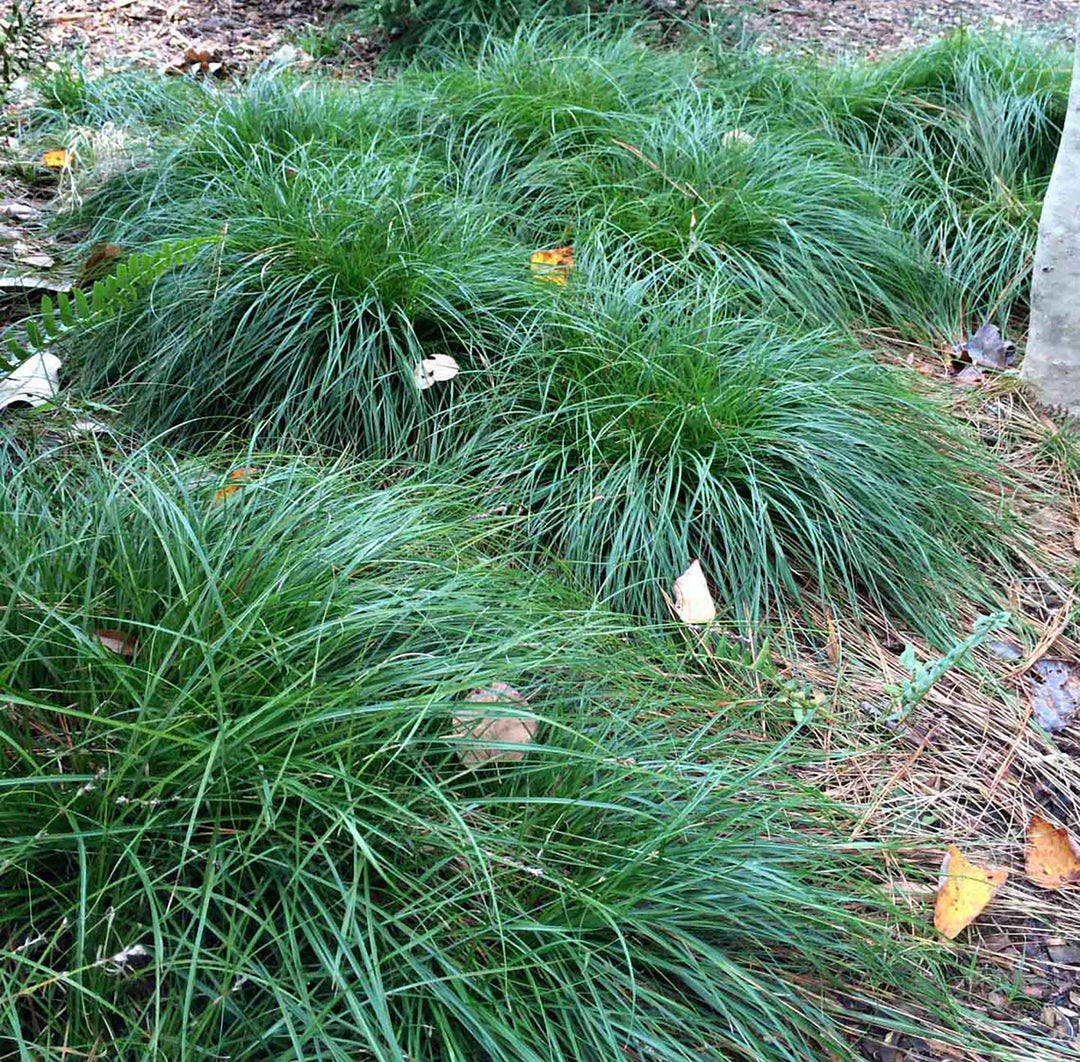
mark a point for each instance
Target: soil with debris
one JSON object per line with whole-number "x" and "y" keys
{"x": 874, "y": 26}
{"x": 240, "y": 32}
{"x": 158, "y": 32}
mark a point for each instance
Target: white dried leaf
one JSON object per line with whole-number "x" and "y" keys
{"x": 693, "y": 602}
{"x": 737, "y": 136}
{"x": 473, "y": 725}
{"x": 90, "y": 427}
{"x": 129, "y": 961}
{"x": 437, "y": 369}
{"x": 38, "y": 261}
{"x": 34, "y": 382}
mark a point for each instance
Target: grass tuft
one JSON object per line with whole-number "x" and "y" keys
{"x": 655, "y": 424}
{"x": 263, "y": 795}
{"x": 695, "y": 391}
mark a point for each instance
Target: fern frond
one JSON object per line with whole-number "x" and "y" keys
{"x": 107, "y": 297}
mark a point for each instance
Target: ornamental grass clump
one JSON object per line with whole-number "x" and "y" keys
{"x": 237, "y": 820}
{"x": 958, "y": 138}
{"x": 699, "y": 387}
{"x": 327, "y": 283}
{"x": 551, "y": 87}
{"x": 655, "y": 424}
{"x": 787, "y": 215}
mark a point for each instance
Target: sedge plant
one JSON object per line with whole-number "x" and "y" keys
{"x": 236, "y": 818}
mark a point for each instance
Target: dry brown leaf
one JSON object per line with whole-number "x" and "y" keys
{"x": 57, "y": 159}
{"x": 1051, "y": 856}
{"x": 693, "y": 602}
{"x": 554, "y": 265}
{"x": 473, "y": 725}
{"x": 197, "y": 61}
{"x": 964, "y": 889}
{"x": 118, "y": 642}
{"x": 237, "y": 478}
{"x": 99, "y": 261}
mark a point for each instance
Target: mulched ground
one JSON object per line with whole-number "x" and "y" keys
{"x": 875, "y": 26}
{"x": 156, "y": 32}
{"x": 240, "y": 32}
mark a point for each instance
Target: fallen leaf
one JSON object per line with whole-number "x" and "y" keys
{"x": 554, "y": 265}
{"x": 437, "y": 369}
{"x": 237, "y": 478}
{"x": 17, "y": 211}
{"x": 90, "y": 426}
{"x": 196, "y": 61}
{"x": 987, "y": 348}
{"x": 99, "y": 261}
{"x": 10, "y": 284}
{"x": 57, "y": 159}
{"x": 29, "y": 254}
{"x": 971, "y": 375}
{"x": 33, "y": 383}
{"x": 693, "y": 602}
{"x": 737, "y": 137}
{"x": 38, "y": 261}
{"x": 1055, "y": 692}
{"x": 964, "y": 889}
{"x": 473, "y": 725}
{"x": 116, "y": 642}
{"x": 1051, "y": 857}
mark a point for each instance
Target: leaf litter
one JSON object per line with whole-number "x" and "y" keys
{"x": 1051, "y": 856}
{"x": 474, "y": 725}
{"x": 693, "y": 602}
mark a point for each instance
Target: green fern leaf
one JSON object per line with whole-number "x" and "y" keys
{"x": 107, "y": 297}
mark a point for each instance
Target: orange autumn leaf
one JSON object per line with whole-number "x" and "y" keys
{"x": 237, "y": 478}
{"x": 963, "y": 891}
{"x": 554, "y": 265}
{"x": 1051, "y": 858}
{"x": 57, "y": 159}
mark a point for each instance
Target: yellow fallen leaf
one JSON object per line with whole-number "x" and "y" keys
{"x": 554, "y": 265}
{"x": 963, "y": 891}
{"x": 1051, "y": 857}
{"x": 474, "y": 725}
{"x": 693, "y": 602}
{"x": 57, "y": 159}
{"x": 237, "y": 478}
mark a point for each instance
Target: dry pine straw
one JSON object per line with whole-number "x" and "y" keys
{"x": 970, "y": 767}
